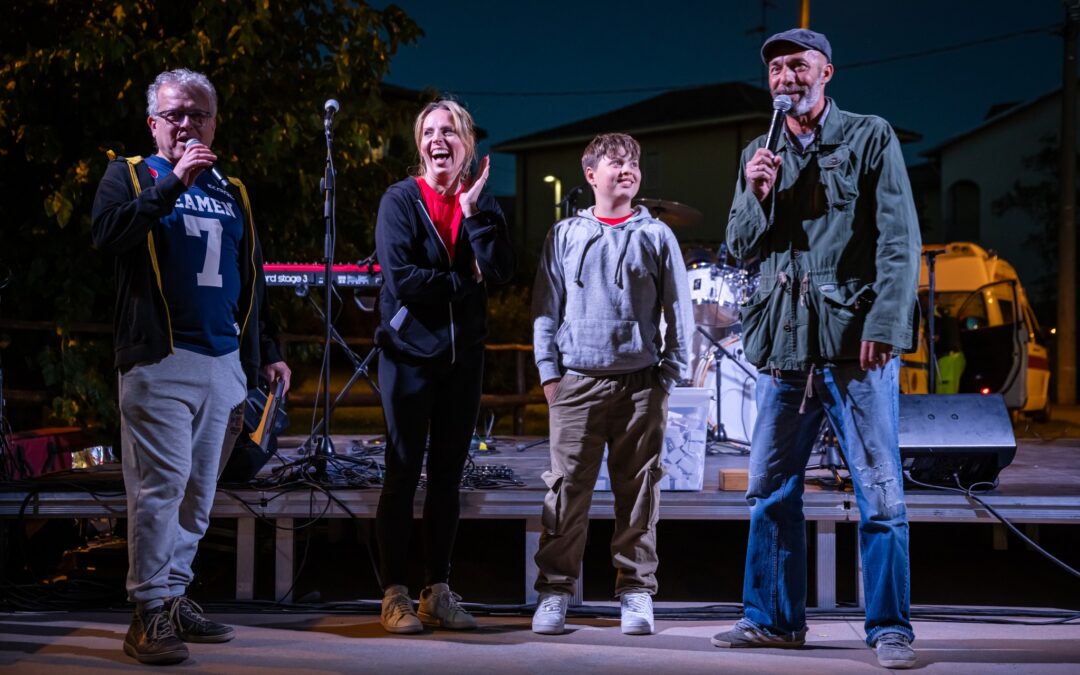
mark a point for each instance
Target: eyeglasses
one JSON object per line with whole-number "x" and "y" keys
{"x": 176, "y": 117}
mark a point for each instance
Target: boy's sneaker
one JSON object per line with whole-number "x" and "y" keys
{"x": 397, "y": 613}
{"x": 746, "y": 634}
{"x": 190, "y": 624}
{"x": 637, "y": 614}
{"x": 894, "y": 651}
{"x": 550, "y": 615}
{"x": 439, "y": 608}
{"x": 151, "y": 638}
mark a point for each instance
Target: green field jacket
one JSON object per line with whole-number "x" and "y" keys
{"x": 838, "y": 243}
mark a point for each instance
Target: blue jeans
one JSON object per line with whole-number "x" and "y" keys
{"x": 864, "y": 410}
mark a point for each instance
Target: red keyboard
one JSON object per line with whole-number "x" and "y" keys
{"x": 347, "y": 275}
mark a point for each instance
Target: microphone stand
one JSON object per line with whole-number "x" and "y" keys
{"x": 324, "y": 446}
{"x": 568, "y": 204}
{"x": 321, "y": 453}
{"x": 931, "y": 258}
{"x": 722, "y": 351}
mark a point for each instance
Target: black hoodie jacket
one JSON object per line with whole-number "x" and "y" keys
{"x": 127, "y": 209}
{"x": 431, "y": 306}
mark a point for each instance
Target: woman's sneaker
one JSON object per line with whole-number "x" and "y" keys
{"x": 550, "y": 615}
{"x": 397, "y": 614}
{"x": 439, "y": 608}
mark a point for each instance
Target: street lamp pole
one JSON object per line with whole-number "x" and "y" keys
{"x": 558, "y": 193}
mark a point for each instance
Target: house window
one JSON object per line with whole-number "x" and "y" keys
{"x": 964, "y": 212}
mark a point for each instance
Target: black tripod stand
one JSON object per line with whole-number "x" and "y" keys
{"x": 319, "y": 444}
{"x": 360, "y": 369}
{"x": 721, "y": 352}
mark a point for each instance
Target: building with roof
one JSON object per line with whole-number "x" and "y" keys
{"x": 1015, "y": 145}
{"x": 691, "y": 143}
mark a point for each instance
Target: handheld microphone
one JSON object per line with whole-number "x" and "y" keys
{"x": 331, "y": 106}
{"x": 781, "y": 104}
{"x": 222, "y": 181}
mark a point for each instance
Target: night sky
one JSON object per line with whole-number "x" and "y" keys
{"x": 526, "y": 65}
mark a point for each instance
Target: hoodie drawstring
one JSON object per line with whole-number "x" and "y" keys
{"x": 622, "y": 256}
{"x": 593, "y": 238}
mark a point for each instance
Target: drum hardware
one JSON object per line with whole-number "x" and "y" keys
{"x": 832, "y": 460}
{"x": 672, "y": 214}
{"x": 720, "y": 352}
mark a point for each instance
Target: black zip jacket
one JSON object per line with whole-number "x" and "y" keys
{"x": 127, "y": 211}
{"x": 431, "y": 306}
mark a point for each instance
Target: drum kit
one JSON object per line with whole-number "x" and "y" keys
{"x": 718, "y": 285}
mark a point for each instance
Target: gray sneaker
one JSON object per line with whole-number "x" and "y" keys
{"x": 746, "y": 634}
{"x": 439, "y": 608}
{"x": 637, "y": 614}
{"x": 550, "y": 615}
{"x": 894, "y": 651}
{"x": 397, "y": 613}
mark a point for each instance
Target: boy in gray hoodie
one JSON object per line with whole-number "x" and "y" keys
{"x": 611, "y": 330}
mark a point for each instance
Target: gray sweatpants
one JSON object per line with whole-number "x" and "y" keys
{"x": 174, "y": 415}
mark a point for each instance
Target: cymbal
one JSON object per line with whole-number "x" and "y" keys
{"x": 673, "y": 214}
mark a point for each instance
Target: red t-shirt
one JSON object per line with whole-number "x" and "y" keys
{"x": 614, "y": 221}
{"x": 445, "y": 212}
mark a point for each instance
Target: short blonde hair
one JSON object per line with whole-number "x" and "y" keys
{"x": 463, "y": 125}
{"x": 609, "y": 145}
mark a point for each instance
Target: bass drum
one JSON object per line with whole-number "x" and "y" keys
{"x": 737, "y": 406}
{"x": 716, "y": 291}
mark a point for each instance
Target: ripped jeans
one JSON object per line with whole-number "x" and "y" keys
{"x": 863, "y": 409}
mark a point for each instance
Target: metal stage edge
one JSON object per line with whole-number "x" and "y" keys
{"x": 1040, "y": 490}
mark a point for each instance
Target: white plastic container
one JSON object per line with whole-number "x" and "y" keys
{"x": 683, "y": 454}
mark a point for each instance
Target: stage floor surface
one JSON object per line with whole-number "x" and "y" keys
{"x": 90, "y": 642}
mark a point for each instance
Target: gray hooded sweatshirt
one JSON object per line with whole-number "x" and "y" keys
{"x": 611, "y": 299}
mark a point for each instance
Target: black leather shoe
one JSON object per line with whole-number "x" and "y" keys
{"x": 152, "y": 640}
{"x": 190, "y": 624}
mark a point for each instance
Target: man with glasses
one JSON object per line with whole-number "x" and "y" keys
{"x": 191, "y": 333}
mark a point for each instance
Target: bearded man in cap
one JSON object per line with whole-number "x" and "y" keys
{"x": 830, "y": 216}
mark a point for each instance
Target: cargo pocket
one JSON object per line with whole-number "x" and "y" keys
{"x": 551, "y": 516}
{"x": 760, "y": 321}
{"x": 838, "y": 177}
{"x": 839, "y": 328}
{"x": 646, "y": 509}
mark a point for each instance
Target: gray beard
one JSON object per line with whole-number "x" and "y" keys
{"x": 807, "y": 102}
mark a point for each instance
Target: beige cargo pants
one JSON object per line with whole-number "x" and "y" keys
{"x": 628, "y": 414}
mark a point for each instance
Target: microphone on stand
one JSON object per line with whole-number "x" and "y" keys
{"x": 781, "y": 104}
{"x": 222, "y": 181}
{"x": 331, "y": 106}
{"x": 568, "y": 205}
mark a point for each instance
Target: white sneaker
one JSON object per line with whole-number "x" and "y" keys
{"x": 550, "y": 615}
{"x": 637, "y": 614}
{"x": 439, "y": 608}
{"x": 397, "y": 612}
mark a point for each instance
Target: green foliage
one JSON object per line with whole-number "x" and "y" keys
{"x": 73, "y": 76}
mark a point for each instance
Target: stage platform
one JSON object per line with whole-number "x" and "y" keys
{"x": 1041, "y": 486}
{"x": 270, "y": 642}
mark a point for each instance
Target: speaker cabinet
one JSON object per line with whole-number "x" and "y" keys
{"x": 956, "y": 440}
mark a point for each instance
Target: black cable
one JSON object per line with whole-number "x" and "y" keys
{"x": 969, "y": 492}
